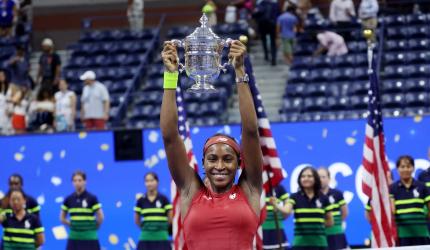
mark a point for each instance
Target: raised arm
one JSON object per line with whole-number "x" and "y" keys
{"x": 184, "y": 176}
{"x": 251, "y": 150}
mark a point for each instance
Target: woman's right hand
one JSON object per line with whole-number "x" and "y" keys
{"x": 170, "y": 57}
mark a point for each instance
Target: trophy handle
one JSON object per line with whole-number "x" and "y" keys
{"x": 179, "y": 44}
{"x": 226, "y": 44}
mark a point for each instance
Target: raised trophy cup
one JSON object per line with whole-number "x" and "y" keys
{"x": 203, "y": 53}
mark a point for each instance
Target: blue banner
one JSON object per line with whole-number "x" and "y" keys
{"x": 47, "y": 162}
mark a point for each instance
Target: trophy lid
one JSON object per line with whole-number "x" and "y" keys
{"x": 204, "y": 31}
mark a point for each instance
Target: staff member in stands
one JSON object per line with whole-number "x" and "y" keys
{"x": 21, "y": 230}
{"x": 156, "y": 211}
{"x": 339, "y": 209}
{"x": 17, "y": 182}
{"x": 85, "y": 216}
{"x": 409, "y": 198}
{"x": 226, "y": 215}
{"x": 271, "y": 236}
{"x": 312, "y": 212}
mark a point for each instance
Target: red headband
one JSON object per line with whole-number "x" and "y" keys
{"x": 224, "y": 140}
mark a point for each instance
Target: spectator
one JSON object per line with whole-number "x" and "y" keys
{"x": 8, "y": 16}
{"x": 25, "y": 15}
{"x": 286, "y": 28}
{"x": 18, "y": 107}
{"x": 42, "y": 111}
{"x": 342, "y": 13}
{"x": 135, "y": 14}
{"x": 210, "y": 10}
{"x": 95, "y": 102}
{"x": 49, "y": 66}
{"x": 266, "y": 16}
{"x": 65, "y": 111}
{"x": 331, "y": 42}
{"x": 368, "y": 13}
{"x": 19, "y": 68}
{"x": 4, "y": 116}
{"x": 245, "y": 7}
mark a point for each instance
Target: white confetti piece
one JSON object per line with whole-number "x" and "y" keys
{"x": 59, "y": 199}
{"x": 113, "y": 239}
{"x": 412, "y": 132}
{"x": 82, "y": 135}
{"x": 131, "y": 243}
{"x": 153, "y": 137}
{"x": 1, "y": 194}
{"x": 100, "y": 166}
{"x": 227, "y": 129}
{"x": 350, "y": 141}
{"x": 118, "y": 204}
{"x": 397, "y": 138}
{"x": 310, "y": 147}
{"x": 18, "y": 157}
{"x": 161, "y": 154}
{"x": 62, "y": 154}
{"x": 151, "y": 162}
{"x": 60, "y": 232}
{"x": 56, "y": 181}
{"x": 292, "y": 139}
{"x": 195, "y": 130}
{"x": 324, "y": 133}
{"x": 41, "y": 199}
{"x": 104, "y": 147}
{"x": 22, "y": 148}
{"x": 127, "y": 246}
{"x": 138, "y": 196}
{"x": 47, "y": 156}
{"x": 354, "y": 133}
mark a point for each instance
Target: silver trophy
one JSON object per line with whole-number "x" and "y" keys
{"x": 203, "y": 53}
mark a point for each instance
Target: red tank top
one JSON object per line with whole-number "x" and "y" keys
{"x": 220, "y": 221}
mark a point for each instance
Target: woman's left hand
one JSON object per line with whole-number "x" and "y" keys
{"x": 237, "y": 54}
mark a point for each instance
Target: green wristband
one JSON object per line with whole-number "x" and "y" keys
{"x": 170, "y": 80}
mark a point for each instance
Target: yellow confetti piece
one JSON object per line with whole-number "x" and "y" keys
{"x": 418, "y": 118}
{"x": 18, "y": 157}
{"x": 113, "y": 239}
{"x": 104, "y": 147}
{"x": 82, "y": 135}
{"x": 100, "y": 166}
{"x": 350, "y": 141}
{"x": 59, "y": 232}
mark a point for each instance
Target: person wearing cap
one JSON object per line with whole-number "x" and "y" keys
{"x": 49, "y": 66}
{"x": 95, "y": 102}
{"x": 226, "y": 215}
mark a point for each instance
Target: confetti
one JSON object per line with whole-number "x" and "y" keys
{"x": 195, "y": 130}
{"x": 56, "y": 181}
{"x": 59, "y": 199}
{"x": 82, "y": 135}
{"x": 118, "y": 204}
{"x": 100, "y": 166}
{"x": 41, "y": 199}
{"x": 324, "y": 133}
{"x": 418, "y": 118}
{"x": 1, "y": 194}
{"x": 139, "y": 195}
{"x": 47, "y": 156}
{"x": 161, "y": 154}
{"x": 350, "y": 141}
{"x": 310, "y": 147}
{"x": 63, "y": 154}
{"x": 151, "y": 162}
{"x": 131, "y": 243}
{"x": 153, "y": 137}
{"x": 22, "y": 148}
{"x": 354, "y": 133}
{"x": 113, "y": 239}
{"x": 18, "y": 157}
{"x": 397, "y": 138}
{"x": 227, "y": 129}
{"x": 60, "y": 233}
{"x": 104, "y": 147}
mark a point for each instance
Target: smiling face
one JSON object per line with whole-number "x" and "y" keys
{"x": 220, "y": 163}
{"x": 307, "y": 179}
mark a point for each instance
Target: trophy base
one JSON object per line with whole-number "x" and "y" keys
{"x": 202, "y": 88}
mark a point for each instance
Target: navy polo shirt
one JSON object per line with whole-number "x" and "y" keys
{"x": 21, "y": 234}
{"x": 336, "y": 200}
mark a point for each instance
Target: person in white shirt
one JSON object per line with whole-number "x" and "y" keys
{"x": 5, "y": 125}
{"x": 42, "y": 111}
{"x": 331, "y": 42}
{"x": 368, "y": 13}
{"x": 342, "y": 14}
{"x": 95, "y": 102}
{"x": 135, "y": 14}
{"x": 65, "y": 108}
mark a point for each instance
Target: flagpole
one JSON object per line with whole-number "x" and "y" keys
{"x": 368, "y": 33}
{"x": 275, "y": 214}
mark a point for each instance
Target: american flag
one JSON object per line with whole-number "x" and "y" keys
{"x": 184, "y": 131}
{"x": 375, "y": 182}
{"x": 272, "y": 165}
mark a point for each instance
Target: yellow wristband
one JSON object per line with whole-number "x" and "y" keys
{"x": 170, "y": 80}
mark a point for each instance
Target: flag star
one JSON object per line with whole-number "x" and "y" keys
{"x": 180, "y": 109}
{"x": 181, "y": 128}
{"x": 259, "y": 97}
{"x": 182, "y": 137}
{"x": 260, "y": 109}
{"x": 179, "y": 99}
{"x": 181, "y": 118}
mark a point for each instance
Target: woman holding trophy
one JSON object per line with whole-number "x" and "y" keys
{"x": 224, "y": 215}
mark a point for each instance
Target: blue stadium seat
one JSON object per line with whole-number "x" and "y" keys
{"x": 395, "y": 20}
{"x": 318, "y": 75}
{"x": 298, "y": 76}
{"x": 418, "y": 57}
{"x": 422, "y": 31}
{"x": 316, "y": 90}
{"x": 417, "y": 99}
{"x": 179, "y": 32}
{"x": 295, "y": 90}
{"x": 416, "y": 85}
{"x": 340, "y": 74}
{"x": 156, "y": 70}
{"x": 397, "y": 33}
{"x": 315, "y": 104}
{"x": 396, "y": 71}
{"x": 420, "y": 70}
{"x": 337, "y": 103}
{"x": 301, "y": 62}
{"x": 413, "y": 111}
{"x": 321, "y": 62}
{"x": 359, "y": 102}
{"x": 292, "y": 104}
{"x": 417, "y": 19}
{"x": 359, "y": 88}
{"x": 392, "y": 100}
{"x": 397, "y": 45}
{"x": 395, "y": 58}
{"x": 153, "y": 84}
{"x": 418, "y": 44}
{"x": 392, "y": 85}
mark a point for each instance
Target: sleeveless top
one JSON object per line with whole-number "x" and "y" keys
{"x": 220, "y": 221}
